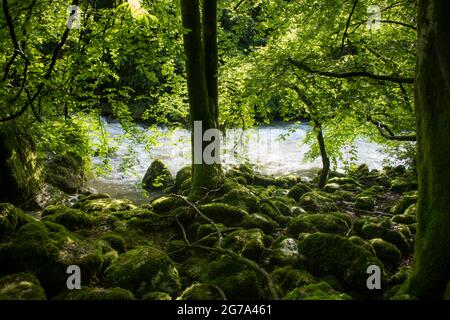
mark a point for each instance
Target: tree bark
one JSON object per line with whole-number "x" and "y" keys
{"x": 325, "y": 160}
{"x": 431, "y": 271}
{"x": 200, "y": 46}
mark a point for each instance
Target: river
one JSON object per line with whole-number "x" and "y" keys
{"x": 261, "y": 146}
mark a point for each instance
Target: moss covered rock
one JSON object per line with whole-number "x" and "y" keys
{"x": 237, "y": 281}
{"x": 21, "y": 176}
{"x": 46, "y": 249}
{"x": 157, "y": 176}
{"x": 223, "y": 213}
{"x": 285, "y": 252}
{"x": 106, "y": 205}
{"x": 142, "y": 270}
{"x": 365, "y": 202}
{"x": 113, "y": 294}
{"x": 72, "y": 219}
{"x": 403, "y": 184}
{"x": 288, "y": 278}
{"x": 249, "y": 243}
{"x": 298, "y": 190}
{"x": 331, "y": 187}
{"x": 116, "y": 241}
{"x": 408, "y": 199}
{"x": 201, "y": 291}
{"x": 21, "y": 286}
{"x": 181, "y": 176}
{"x": 11, "y": 219}
{"x": 386, "y": 252}
{"x": 67, "y": 171}
{"x": 157, "y": 295}
{"x": 316, "y": 291}
{"x": 316, "y": 201}
{"x": 329, "y": 254}
{"x": 241, "y": 198}
{"x": 166, "y": 204}
{"x": 260, "y": 221}
{"x": 337, "y": 223}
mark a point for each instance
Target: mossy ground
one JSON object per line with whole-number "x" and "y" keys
{"x": 314, "y": 244}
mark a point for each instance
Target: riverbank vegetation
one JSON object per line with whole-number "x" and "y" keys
{"x": 360, "y": 69}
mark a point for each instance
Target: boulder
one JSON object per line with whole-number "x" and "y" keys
{"x": 112, "y": 294}
{"x": 21, "y": 286}
{"x": 316, "y": 201}
{"x": 143, "y": 270}
{"x": 332, "y": 255}
{"x": 157, "y": 176}
{"x": 11, "y": 219}
{"x": 316, "y": 291}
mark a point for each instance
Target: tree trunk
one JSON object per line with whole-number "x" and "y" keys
{"x": 200, "y": 45}
{"x": 325, "y": 160}
{"x": 431, "y": 270}
{"x": 321, "y": 141}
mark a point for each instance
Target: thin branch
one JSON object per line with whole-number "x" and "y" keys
{"x": 346, "y": 27}
{"x": 387, "y": 133}
{"x": 351, "y": 74}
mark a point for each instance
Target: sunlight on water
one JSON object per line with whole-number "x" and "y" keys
{"x": 262, "y": 146}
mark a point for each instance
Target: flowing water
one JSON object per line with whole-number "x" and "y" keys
{"x": 275, "y": 149}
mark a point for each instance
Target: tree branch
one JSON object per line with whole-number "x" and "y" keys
{"x": 346, "y": 27}
{"x": 351, "y": 74}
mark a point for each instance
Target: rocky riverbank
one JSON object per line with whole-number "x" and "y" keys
{"x": 257, "y": 237}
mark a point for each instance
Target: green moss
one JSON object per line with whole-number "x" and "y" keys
{"x": 403, "y": 184}
{"x": 316, "y": 291}
{"x": 248, "y": 243}
{"x": 157, "y": 176}
{"x": 72, "y": 219}
{"x": 241, "y": 198}
{"x": 287, "y": 278}
{"x": 223, "y": 213}
{"x": 329, "y": 223}
{"x": 182, "y": 175}
{"x": 360, "y": 242}
{"x": 260, "y": 221}
{"x": 331, "y": 187}
{"x": 404, "y": 219}
{"x": 364, "y": 202}
{"x": 211, "y": 230}
{"x": 194, "y": 268}
{"x": 316, "y": 201}
{"x": 142, "y": 270}
{"x": 166, "y": 204}
{"x": 200, "y": 291}
{"x": 21, "y": 175}
{"x": 236, "y": 280}
{"x": 11, "y": 219}
{"x": 386, "y": 252}
{"x": 21, "y": 286}
{"x": 47, "y": 249}
{"x": 106, "y": 205}
{"x": 328, "y": 254}
{"x": 157, "y": 296}
{"x": 298, "y": 190}
{"x": 116, "y": 241}
{"x": 285, "y": 252}
{"x": 372, "y": 227}
{"x": 112, "y": 294}
{"x": 406, "y": 201}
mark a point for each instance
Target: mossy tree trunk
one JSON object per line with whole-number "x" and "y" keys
{"x": 431, "y": 270}
{"x": 200, "y": 46}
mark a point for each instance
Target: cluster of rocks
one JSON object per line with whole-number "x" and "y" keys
{"x": 315, "y": 244}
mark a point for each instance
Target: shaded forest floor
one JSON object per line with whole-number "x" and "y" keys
{"x": 257, "y": 237}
